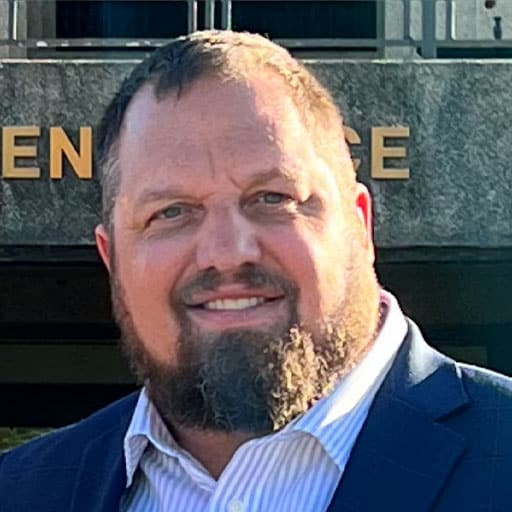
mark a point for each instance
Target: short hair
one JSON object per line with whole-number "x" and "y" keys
{"x": 231, "y": 55}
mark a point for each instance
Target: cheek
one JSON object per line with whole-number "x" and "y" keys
{"x": 146, "y": 270}
{"x": 314, "y": 261}
{"x": 148, "y": 273}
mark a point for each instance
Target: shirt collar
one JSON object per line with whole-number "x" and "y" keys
{"x": 146, "y": 427}
{"x": 330, "y": 416}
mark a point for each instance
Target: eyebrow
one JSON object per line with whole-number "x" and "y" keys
{"x": 263, "y": 177}
{"x": 158, "y": 194}
{"x": 258, "y": 179}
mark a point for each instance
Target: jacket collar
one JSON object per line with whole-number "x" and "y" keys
{"x": 404, "y": 453}
{"x": 101, "y": 478}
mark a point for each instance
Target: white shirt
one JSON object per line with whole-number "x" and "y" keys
{"x": 297, "y": 468}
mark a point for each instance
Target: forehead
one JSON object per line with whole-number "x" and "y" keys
{"x": 237, "y": 125}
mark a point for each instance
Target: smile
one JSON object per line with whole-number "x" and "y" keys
{"x": 221, "y": 313}
{"x": 233, "y": 304}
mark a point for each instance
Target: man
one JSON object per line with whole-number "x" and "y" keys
{"x": 277, "y": 374}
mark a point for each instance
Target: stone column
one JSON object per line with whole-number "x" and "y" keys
{"x": 41, "y": 19}
{"x": 35, "y": 19}
{"x": 41, "y": 24}
{"x": 21, "y": 28}
{"x": 394, "y": 23}
{"x": 4, "y": 26}
{"x": 474, "y": 21}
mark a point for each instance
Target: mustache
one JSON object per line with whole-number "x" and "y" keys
{"x": 249, "y": 275}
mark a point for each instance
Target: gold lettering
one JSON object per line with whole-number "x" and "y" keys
{"x": 60, "y": 145}
{"x": 379, "y": 152}
{"x": 353, "y": 138}
{"x": 10, "y": 151}
{"x": 80, "y": 159}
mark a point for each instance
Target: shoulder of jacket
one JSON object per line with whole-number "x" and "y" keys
{"x": 67, "y": 444}
{"x": 484, "y": 385}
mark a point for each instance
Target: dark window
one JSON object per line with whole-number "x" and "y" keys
{"x": 320, "y": 19}
{"x": 162, "y": 19}
{"x": 122, "y": 19}
{"x": 474, "y": 53}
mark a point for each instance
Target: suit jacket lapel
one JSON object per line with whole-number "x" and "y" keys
{"x": 101, "y": 478}
{"x": 404, "y": 453}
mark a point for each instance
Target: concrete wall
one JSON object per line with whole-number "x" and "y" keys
{"x": 459, "y": 193}
{"x": 472, "y": 21}
{"x": 21, "y": 28}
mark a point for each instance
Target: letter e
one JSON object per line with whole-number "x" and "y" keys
{"x": 10, "y": 151}
{"x": 380, "y": 152}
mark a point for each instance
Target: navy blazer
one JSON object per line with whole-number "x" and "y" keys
{"x": 438, "y": 437}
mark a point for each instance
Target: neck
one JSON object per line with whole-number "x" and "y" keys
{"x": 213, "y": 450}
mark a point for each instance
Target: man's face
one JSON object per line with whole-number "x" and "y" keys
{"x": 230, "y": 231}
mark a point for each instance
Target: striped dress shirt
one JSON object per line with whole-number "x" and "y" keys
{"x": 295, "y": 469}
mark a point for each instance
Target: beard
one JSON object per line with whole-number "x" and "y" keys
{"x": 250, "y": 380}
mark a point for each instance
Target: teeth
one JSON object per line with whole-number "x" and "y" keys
{"x": 230, "y": 304}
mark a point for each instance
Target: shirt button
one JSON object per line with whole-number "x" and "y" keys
{"x": 235, "y": 506}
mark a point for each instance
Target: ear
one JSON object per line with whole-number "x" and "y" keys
{"x": 103, "y": 244}
{"x": 364, "y": 213}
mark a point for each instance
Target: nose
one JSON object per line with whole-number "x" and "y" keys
{"x": 227, "y": 240}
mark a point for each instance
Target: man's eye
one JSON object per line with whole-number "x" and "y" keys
{"x": 172, "y": 212}
{"x": 273, "y": 198}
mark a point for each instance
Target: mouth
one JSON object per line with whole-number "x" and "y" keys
{"x": 233, "y": 312}
{"x": 235, "y": 304}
